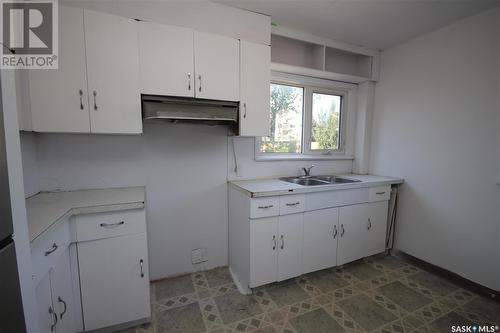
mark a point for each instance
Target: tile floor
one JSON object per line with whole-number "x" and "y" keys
{"x": 377, "y": 294}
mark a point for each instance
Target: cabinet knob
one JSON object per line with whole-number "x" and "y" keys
{"x": 244, "y": 110}
{"x": 335, "y": 231}
{"x": 274, "y": 242}
{"x": 282, "y": 242}
{"x": 369, "y": 223}
{"x": 199, "y": 79}
{"x": 342, "y": 230}
{"x": 189, "y": 81}
{"x": 51, "y": 250}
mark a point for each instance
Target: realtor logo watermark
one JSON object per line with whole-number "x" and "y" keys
{"x": 29, "y": 34}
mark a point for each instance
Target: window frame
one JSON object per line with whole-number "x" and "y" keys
{"x": 310, "y": 86}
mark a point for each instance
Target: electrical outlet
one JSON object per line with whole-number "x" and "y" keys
{"x": 199, "y": 255}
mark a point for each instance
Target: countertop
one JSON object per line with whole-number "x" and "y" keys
{"x": 46, "y": 209}
{"x": 269, "y": 187}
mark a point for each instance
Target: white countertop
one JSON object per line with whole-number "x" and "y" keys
{"x": 269, "y": 187}
{"x": 47, "y": 208}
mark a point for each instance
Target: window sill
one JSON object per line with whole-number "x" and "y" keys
{"x": 302, "y": 157}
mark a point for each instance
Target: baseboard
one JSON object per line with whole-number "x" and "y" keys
{"x": 454, "y": 277}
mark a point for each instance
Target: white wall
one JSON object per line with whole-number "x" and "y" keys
{"x": 183, "y": 168}
{"x": 436, "y": 124}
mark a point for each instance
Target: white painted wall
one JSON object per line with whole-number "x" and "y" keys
{"x": 183, "y": 168}
{"x": 436, "y": 124}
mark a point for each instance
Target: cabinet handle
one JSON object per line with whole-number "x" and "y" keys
{"x": 80, "y": 92}
{"x": 292, "y": 204}
{"x": 54, "y": 315}
{"x": 369, "y": 223}
{"x": 335, "y": 232}
{"x": 52, "y": 249}
{"x": 60, "y": 300}
{"x": 274, "y": 242}
{"x": 244, "y": 110}
{"x": 189, "y": 81}
{"x": 199, "y": 79}
{"x": 342, "y": 230}
{"x": 266, "y": 207}
{"x": 141, "y": 262}
{"x": 282, "y": 242}
{"x": 95, "y": 100}
{"x": 380, "y": 193}
{"x": 111, "y": 225}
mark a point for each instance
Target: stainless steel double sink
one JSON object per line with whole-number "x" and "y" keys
{"x": 318, "y": 180}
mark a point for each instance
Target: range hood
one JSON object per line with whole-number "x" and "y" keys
{"x": 186, "y": 109}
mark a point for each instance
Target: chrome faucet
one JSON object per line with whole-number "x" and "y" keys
{"x": 307, "y": 171}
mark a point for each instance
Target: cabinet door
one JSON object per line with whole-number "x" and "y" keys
{"x": 58, "y": 97}
{"x": 113, "y": 73}
{"x": 62, "y": 294}
{"x": 263, "y": 251}
{"x": 290, "y": 229}
{"x": 217, "y": 67}
{"x": 166, "y": 56}
{"x": 352, "y": 232}
{"x": 376, "y": 227}
{"x": 320, "y": 239}
{"x": 255, "y": 60}
{"x": 46, "y": 313}
{"x": 114, "y": 283}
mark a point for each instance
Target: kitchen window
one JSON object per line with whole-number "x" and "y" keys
{"x": 306, "y": 122}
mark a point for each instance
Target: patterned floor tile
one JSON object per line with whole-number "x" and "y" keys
{"x": 286, "y": 293}
{"x": 380, "y": 294}
{"x": 182, "y": 319}
{"x": 366, "y": 312}
{"x": 177, "y": 286}
{"x": 362, "y": 270}
{"x": 434, "y": 283}
{"x": 218, "y": 276}
{"x": 317, "y": 321}
{"x": 403, "y": 296}
{"x": 235, "y": 307}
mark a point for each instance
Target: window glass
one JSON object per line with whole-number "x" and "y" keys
{"x": 325, "y": 131}
{"x": 285, "y": 121}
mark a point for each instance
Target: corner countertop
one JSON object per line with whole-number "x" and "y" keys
{"x": 44, "y": 210}
{"x": 269, "y": 187}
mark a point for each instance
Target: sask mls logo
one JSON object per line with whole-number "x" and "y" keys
{"x": 29, "y": 34}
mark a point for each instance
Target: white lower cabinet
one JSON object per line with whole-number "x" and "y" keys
{"x": 56, "y": 306}
{"x": 114, "y": 280}
{"x": 290, "y": 245}
{"x": 280, "y": 237}
{"x": 320, "y": 239}
{"x": 99, "y": 278}
{"x": 362, "y": 231}
{"x": 275, "y": 248}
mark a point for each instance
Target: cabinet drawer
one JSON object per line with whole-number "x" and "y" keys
{"x": 46, "y": 251}
{"x": 379, "y": 193}
{"x": 262, "y": 207}
{"x": 290, "y": 204}
{"x": 106, "y": 225}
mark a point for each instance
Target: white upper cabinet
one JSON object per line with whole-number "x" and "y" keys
{"x": 217, "y": 67}
{"x": 58, "y": 97}
{"x": 113, "y": 73}
{"x": 255, "y": 60}
{"x": 166, "y": 56}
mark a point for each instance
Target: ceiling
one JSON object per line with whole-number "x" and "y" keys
{"x": 377, "y": 24}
